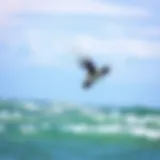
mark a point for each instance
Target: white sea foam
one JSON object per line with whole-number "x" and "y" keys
{"x": 146, "y": 132}
{"x": 83, "y": 128}
{"x": 2, "y": 128}
{"x": 138, "y": 131}
{"x": 152, "y": 134}
{"x": 45, "y": 126}
{"x": 108, "y": 129}
{"x": 115, "y": 115}
{"x": 56, "y": 109}
{"x": 100, "y": 117}
{"x": 28, "y": 129}
{"x": 16, "y": 115}
{"x": 131, "y": 119}
{"x": 6, "y": 115}
{"x": 94, "y": 121}
{"x": 31, "y": 106}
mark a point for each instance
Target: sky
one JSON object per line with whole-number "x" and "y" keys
{"x": 41, "y": 40}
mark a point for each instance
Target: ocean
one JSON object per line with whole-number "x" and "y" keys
{"x": 45, "y": 130}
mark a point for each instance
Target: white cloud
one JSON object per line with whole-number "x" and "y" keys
{"x": 46, "y": 51}
{"x": 46, "y": 46}
{"x": 119, "y": 47}
{"x": 138, "y": 31}
{"x": 49, "y": 48}
{"x": 84, "y": 7}
{"x": 122, "y": 41}
{"x": 151, "y": 31}
{"x": 7, "y": 9}
{"x": 10, "y": 7}
{"x": 83, "y": 45}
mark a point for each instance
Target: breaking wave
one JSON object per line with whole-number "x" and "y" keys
{"x": 41, "y": 119}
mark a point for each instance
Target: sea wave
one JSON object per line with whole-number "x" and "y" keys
{"x": 32, "y": 118}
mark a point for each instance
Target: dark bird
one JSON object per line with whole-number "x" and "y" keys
{"x": 93, "y": 73}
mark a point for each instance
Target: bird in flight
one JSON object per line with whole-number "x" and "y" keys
{"x": 93, "y": 72}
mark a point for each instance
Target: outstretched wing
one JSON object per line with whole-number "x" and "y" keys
{"x": 89, "y": 66}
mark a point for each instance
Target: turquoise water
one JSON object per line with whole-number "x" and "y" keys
{"x": 44, "y": 130}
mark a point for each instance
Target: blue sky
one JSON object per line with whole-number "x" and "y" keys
{"x": 41, "y": 40}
